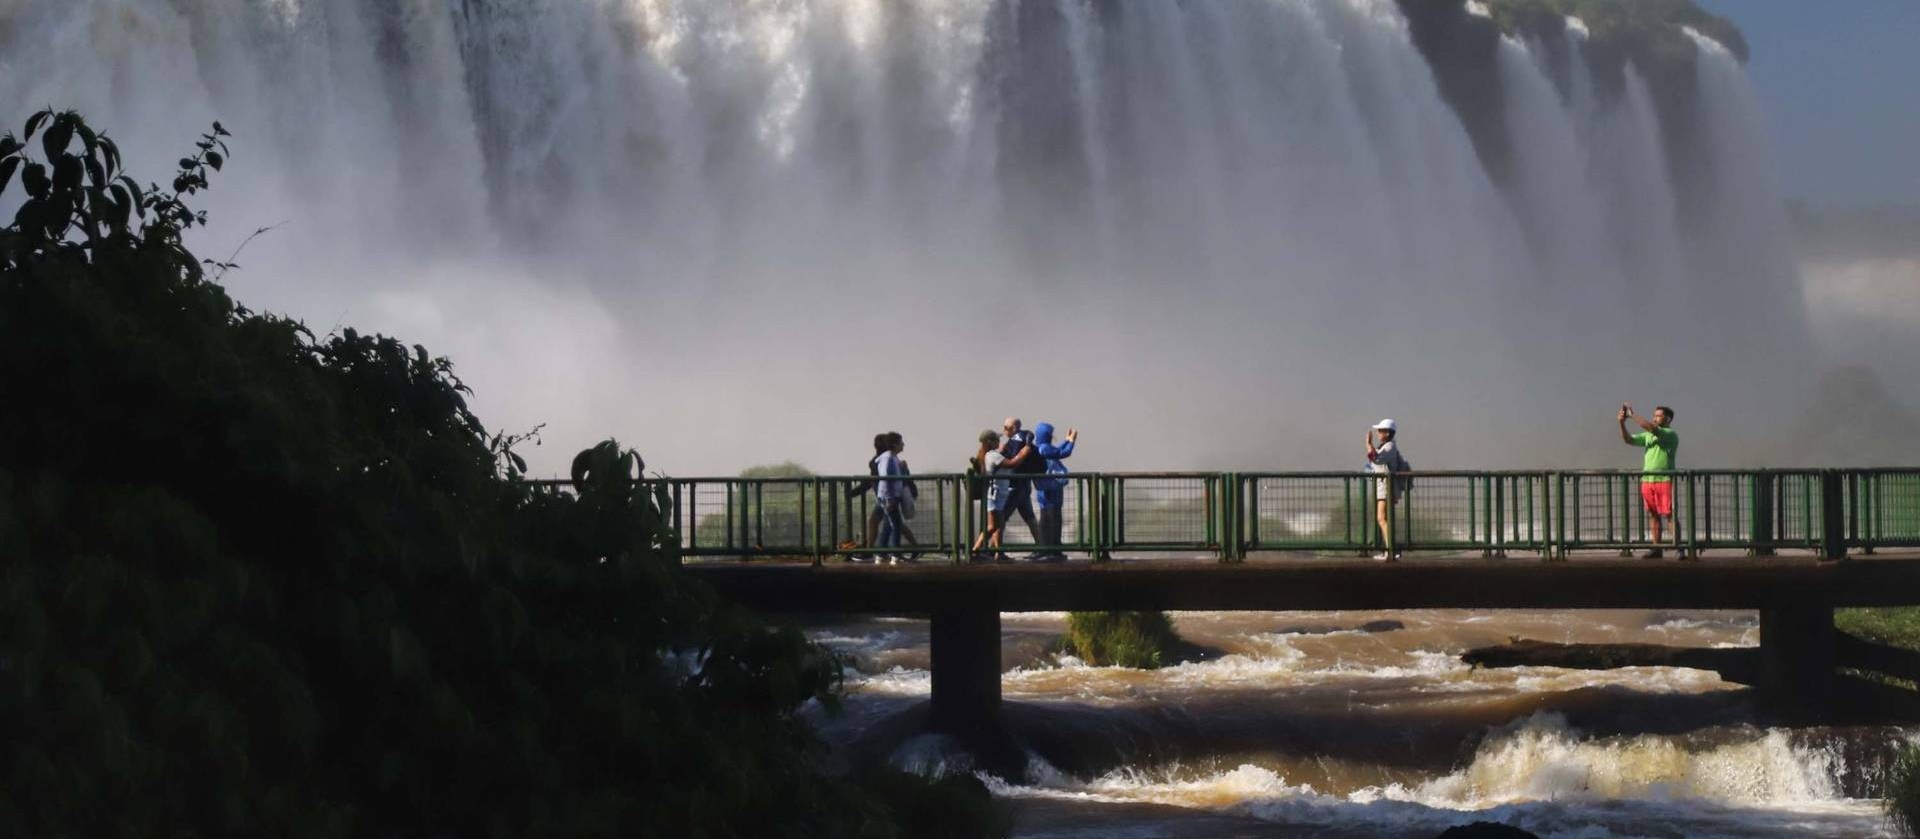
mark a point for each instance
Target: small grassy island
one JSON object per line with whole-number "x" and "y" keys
{"x": 1144, "y": 640}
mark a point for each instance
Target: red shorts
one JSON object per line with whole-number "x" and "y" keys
{"x": 1658, "y": 497}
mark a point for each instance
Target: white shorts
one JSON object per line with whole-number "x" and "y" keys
{"x": 998, "y": 493}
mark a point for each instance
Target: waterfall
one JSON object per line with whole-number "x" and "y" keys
{"x": 603, "y": 208}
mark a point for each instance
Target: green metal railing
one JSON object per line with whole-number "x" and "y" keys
{"x": 1227, "y": 516}
{"x": 1489, "y": 512}
{"x": 1882, "y": 508}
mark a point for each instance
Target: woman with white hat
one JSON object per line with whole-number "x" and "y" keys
{"x": 1384, "y": 458}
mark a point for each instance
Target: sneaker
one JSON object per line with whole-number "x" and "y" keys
{"x": 904, "y": 559}
{"x": 981, "y": 557}
{"x": 1036, "y": 556}
{"x": 1054, "y": 556}
{"x": 1002, "y": 558}
{"x": 1656, "y": 553}
{"x": 860, "y": 559}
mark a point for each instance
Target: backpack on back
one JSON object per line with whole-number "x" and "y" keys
{"x": 1054, "y": 467}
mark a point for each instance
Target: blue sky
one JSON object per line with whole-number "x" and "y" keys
{"x": 1840, "y": 81}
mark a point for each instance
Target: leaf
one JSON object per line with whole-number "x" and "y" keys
{"x": 58, "y": 136}
{"x": 122, "y": 204}
{"x": 67, "y": 172}
{"x": 8, "y": 145}
{"x": 140, "y": 196}
{"x": 187, "y": 163}
{"x": 219, "y": 131}
{"x": 35, "y": 180}
{"x": 214, "y": 159}
{"x": 6, "y": 172}
{"x": 34, "y": 122}
{"x": 87, "y": 137}
{"x": 96, "y": 174}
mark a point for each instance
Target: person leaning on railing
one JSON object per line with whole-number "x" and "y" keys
{"x": 1662, "y": 445}
{"x": 1384, "y": 459}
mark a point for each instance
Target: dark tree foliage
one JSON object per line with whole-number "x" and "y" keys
{"x": 255, "y": 582}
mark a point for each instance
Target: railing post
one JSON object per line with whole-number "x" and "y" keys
{"x": 1693, "y": 522}
{"x": 1499, "y": 507}
{"x": 1104, "y": 531}
{"x": 1212, "y": 498}
{"x": 1760, "y": 528}
{"x": 1251, "y": 511}
{"x": 819, "y": 556}
{"x": 1869, "y": 511}
{"x": 1557, "y": 485}
{"x": 962, "y": 533}
{"x": 1833, "y": 515}
{"x": 1394, "y": 546}
{"x": 680, "y": 532}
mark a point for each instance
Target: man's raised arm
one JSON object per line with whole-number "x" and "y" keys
{"x": 1625, "y": 412}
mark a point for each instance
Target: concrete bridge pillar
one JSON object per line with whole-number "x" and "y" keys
{"x": 966, "y": 671}
{"x": 1797, "y": 659}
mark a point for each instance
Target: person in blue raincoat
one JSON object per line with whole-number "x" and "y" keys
{"x": 1051, "y": 492}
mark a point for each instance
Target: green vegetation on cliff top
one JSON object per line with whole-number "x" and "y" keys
{"x": 1653, "y": 25}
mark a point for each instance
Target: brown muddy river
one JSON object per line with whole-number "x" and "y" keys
{"x": 1366, "y": 724}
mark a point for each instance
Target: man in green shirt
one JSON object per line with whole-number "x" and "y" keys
{"x": 1656, "y": 483}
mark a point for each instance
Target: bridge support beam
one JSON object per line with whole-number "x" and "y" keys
{"x": 1797, "y": 659}
{"x": 966, "y": 671}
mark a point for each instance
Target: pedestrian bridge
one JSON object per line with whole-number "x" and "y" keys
{"x": 1230, "y": 517}
{"x": 1791, "y": 544}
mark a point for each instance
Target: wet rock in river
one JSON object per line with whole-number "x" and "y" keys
{"x": 1486, "y": 830}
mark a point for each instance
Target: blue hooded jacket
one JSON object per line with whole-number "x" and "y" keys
{"x": 1052, "y": 492}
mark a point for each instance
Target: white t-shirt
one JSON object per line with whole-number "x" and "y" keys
{"x": 889, "y": 464}
{"x": 1386, "y": 458}
{"x": 995, "y": 461}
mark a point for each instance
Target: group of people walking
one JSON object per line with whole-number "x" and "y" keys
{"x": 895, "y": 499}
{"x": 1014, "y": 468}
{"x": 1022, "y": 473}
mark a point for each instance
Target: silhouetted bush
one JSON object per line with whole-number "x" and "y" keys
{"x": 255, "y": 582}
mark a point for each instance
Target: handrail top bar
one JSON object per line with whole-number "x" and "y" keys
{"x": 1328, "y": 474}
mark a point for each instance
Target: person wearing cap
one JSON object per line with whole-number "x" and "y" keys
{"x": 1661, "y": 443}
{"x": 990, "y": 463}
{"x": 1384, "y": 458}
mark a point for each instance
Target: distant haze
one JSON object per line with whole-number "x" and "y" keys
{"x": 1211, "y": 235}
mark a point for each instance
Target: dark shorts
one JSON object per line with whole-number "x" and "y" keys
{"x": 1658, "y": 497}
